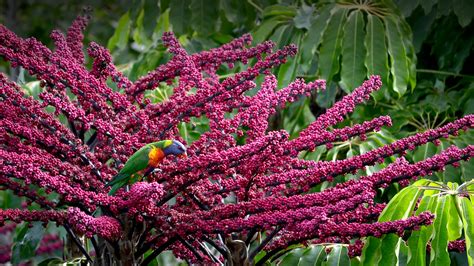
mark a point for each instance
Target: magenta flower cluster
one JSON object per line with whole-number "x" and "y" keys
{"x": 225, "y": 193}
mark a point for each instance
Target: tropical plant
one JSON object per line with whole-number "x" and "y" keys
{"x": 241, "y": 180}
{"x": 452, "y": 228}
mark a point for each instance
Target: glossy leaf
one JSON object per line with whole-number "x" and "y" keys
{"x": 454, "y": 220}
{"x": 302, "y": 20}
{"x": 279, "y": 10}
{"x": 468, "y": 223}
{"x": 398, "y": 55}
{"x": 439, "y": 241}
{"x": 313, "y": 255}
{"x": 418, "y": 239}
{"x": 121, "y": 34}
{"x": 376, "y": 60}
{"x": 353, "y": 70}
{"x": 162, "y": 25}
{"x": 332, "y": 44}
{"x": 179, "y": 15}
{"x": 26, "y": 242}
{"x": 292, "y": 258}
{"x": 204, "y": 16}
{"x": 287, "y": 71}
{"x": 313, "y": 38}
{"x": 337, "y": 257}
{"x": 464, "y": 10}
{"x": 51, "y": 261}
{"x": 139, "y": 35}
{"x": 407, "y": 6}
{"x": 424, "y": 151}
{"x": 265, "y": 29}
{"x": 399, "y": 207}
{"x": 407, "y": 38}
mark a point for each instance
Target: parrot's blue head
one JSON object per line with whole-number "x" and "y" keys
{"x": 176, "y": 148}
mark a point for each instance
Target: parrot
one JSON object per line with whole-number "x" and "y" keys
{"x": 144, "y": 161}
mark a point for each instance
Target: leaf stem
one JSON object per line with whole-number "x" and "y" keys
{"x": 255, "y": 5}
{"x": 445, "y": 73}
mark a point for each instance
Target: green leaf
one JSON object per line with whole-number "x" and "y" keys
{"x": 204, "y": 16}
{"x": 312, "y": 39}
{"x": 313, "y": 255}
{"x": 407, "y": 37}
{"x": 120, "y": 37}
{"x": 332, "y": 44}
{"x": 376, "y": 60}
{"x": 287, "y": 72}
{"x": 162, "y": 25}
{"x": 402, "y": 254}
{"x": 425, "y": 151}
{"x": 439, "y": 242}
{"x": 468, "y": 223}
{"x": 353, "y": 52}
{"x": 398, "y": 56}
{"x": 427, "y": 5}
{"x": 139, "y": 35}
{"x": 265, "y": 29}
{"x": 279, "y": 10}
{"x": 337, "y": 257}
{"x": 464, "y": 10}
{"x": 51, "y": 262}
{"x": 327, "y": 97}
{"x": 407, "y": 6}
{"x": 292, "y": 258}
{"x": 302, "y": 20}
{"x": 400, "y": 207}
{"x": 418, "y": 240}
{"x": 179, "y": 15}
{"x": 454, "y": 221}
{"x": 421, "y": 27}
{"x": 26, "y": 242}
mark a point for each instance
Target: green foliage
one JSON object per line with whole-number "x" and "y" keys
{"x": 463, "y": 9}
{"x": 316, "y": 255}
{"x": 26, "y": 241}
{"x": 453, "y": 221}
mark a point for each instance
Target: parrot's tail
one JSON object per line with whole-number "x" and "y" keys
{"x": 117, "y": 182}
{"x": 117, "y": 179}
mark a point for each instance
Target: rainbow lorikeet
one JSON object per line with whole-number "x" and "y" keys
{"x": 144, "y": 161}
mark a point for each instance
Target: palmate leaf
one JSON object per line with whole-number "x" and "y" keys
{"x": 312, "y": 39}
{"x": 347, "y": 42}
{"x": 204, "y": 16}
{"x": 400, "y": 207}
{"x": 353, "y": 53}
{"x": 467, "y": 207}
{"x": 26, "y": 242}
{"x": 315, "y": 255}
{"x": 463, "y": 9}
{"x": 179, "y": 14}
{"x": 445, "y": 202}
{"x": 418, "y": 240}
{"x": 398, "y": 55}
{"x": 121, "y": 34}
{"x": 376, "y": 59}
{"x": 439, "y": 241}
{"x": 337, "y": 257}
{"x": 331, "y": 46}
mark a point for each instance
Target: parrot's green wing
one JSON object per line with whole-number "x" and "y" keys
{"x": 138, "y": 161}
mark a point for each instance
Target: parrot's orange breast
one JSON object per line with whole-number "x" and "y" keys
{"x": 155, "y": 156}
